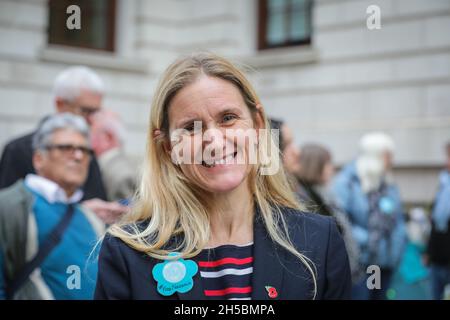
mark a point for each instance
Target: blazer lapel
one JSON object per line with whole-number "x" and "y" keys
{"x": 267, "y": 265}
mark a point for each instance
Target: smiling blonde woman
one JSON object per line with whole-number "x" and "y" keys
{"x": 218, "y": 228}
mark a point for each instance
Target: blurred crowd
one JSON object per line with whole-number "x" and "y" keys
{"x": 411, "y": 248}
{"x": 64, "y": 183}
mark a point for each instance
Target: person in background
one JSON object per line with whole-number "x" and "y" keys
{"x": 119, "y": 176}
{"x": 438, "y": 251}
{"x": 32, "y": 209}
{"x": 412, "y": 279}
{"x": 315, "y": 173}
{"x": 78, "y": 90}
{"x": 288, "y": 149}
{"x": 365, "y": 191}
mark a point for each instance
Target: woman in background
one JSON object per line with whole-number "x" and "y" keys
{"x": 316, "y": 170}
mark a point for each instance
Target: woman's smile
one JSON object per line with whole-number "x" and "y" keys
{"x": 220, "y": 163}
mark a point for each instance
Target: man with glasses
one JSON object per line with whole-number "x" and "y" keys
{"x": 32, "y": 209}
{"x": 77, "y": 90}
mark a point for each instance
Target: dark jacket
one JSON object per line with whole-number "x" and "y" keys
{"x": 322, "y": 203}
{"x": 125, "y": 273}
{"x": 16, "y": 163}
{"x": 438, "y": 248}
{"x": 439, "y": 241}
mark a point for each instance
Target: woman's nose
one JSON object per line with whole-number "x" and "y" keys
{"x": 213, "y": 142}
{"x": 213, "y": 136}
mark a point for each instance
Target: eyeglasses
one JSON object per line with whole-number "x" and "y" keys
{"x": 86, "y": 111}
{"x": 69, "y": 149}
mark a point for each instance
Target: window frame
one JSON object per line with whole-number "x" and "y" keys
{"x": 110, "y": 39}
{"x": 262, "y": 27}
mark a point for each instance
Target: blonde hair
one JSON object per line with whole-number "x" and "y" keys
{"x": 170, "y": 204}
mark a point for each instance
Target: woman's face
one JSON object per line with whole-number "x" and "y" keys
{"x": 214, "y": 157}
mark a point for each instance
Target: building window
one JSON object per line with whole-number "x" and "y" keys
{"x": 284, "y": 23}
{"x": 97, "y": 24}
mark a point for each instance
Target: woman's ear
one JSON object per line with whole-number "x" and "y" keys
{"x": 159, "y": 135}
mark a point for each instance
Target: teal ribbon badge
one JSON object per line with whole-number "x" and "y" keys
{"x": 174, "y": 275}
{"x": 387, "y": 205}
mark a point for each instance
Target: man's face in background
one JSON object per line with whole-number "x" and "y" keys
{"x": 86, "y": 105}
{"x": 66, "y": 160}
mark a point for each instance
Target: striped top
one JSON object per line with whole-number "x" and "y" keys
{"x": 226, "y": 272}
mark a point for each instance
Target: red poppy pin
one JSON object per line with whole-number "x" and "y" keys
{"x": 271, "y": 292}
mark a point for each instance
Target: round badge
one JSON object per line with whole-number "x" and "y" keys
{"x": 387, "y": 205}
{"x": 174, "y": 275}
{"x": 174, "y": 271}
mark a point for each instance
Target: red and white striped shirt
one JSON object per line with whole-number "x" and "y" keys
{"x": 226, "y": 272}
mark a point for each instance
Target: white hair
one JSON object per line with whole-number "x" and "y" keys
{"x": 370, "y": 163}
{"x": 376, "y": 143}
{"x": 59, "y": 121}
{"x": 71, "y": 81}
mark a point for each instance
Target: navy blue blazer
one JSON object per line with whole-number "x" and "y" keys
{"x": 125, "y": 273}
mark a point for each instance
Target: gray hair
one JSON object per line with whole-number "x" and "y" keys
{"x": 59, "y": 121}
{"x": 71, "y": 81}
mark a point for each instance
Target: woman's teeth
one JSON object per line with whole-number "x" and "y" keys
{"x": 225, "y": 160}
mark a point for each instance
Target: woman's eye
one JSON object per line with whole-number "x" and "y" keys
{"x": 189, "y": 127}
{"x": 228, "y": 117}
